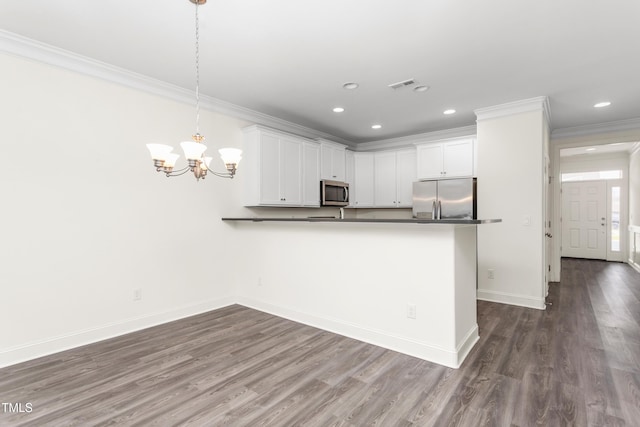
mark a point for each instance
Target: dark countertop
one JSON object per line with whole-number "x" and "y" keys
{"x": 371, "y": 220}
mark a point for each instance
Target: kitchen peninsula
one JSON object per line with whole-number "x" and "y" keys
{"x": 405, "y": 284}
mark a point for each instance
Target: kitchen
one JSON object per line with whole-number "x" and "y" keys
{"x": 97, "y": 245}
{"x": 284, "y": 171}
{"x": 126, "y": 109}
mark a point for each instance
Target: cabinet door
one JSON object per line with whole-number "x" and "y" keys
{"x": 326, "y": 157}
{"x": 311, "y": 174}
{"x": 458, "y": 158}
{"x": 384, "y": 167}
{"x": 406, "y": 164}
{"x": 349, "y": 176}
{"x": 290, "y": 172}
{"x": 332, "y": 162}
{"x": 363, "y": 179}
{"x": 430, "y": 161}
{"x": 338, "y": 164}
{"x": 270, "y": 170}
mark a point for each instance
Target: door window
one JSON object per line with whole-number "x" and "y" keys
{"x": 615, "y": 219}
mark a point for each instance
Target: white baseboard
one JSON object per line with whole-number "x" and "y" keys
{"x": 633, "y": 265}
{"x": 467, "y": 344}
{"x": 512, "y": 299}
{"x": 452, "y": 358}
{"x": 37, "y": 349}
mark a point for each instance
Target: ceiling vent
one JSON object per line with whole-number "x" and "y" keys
{"x": 402, "y": 84}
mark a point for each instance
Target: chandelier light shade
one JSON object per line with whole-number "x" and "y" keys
{"x": 163, "y": 158}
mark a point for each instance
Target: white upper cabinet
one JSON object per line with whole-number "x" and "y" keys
{"x": 445, "y": 159}
{"x": 273, "y": 168}
{"x": 310, "y": 174}
{"x": 350, "y": 174}
{"x": 430, "y": 164}
{"x": 281, "y": 169}
{"x": 406, "y": 174}
{"x": 363, "y": 180}
{"x": 291, "y": 171}
{"x": 395, "y": 172}
{"x": 384, "y": 167}
{"x": 332, "y": 161}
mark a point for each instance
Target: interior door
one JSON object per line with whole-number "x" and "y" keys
{"x": 584, "y": 219}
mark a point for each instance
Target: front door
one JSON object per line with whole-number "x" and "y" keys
{"x": 584, "y": 209}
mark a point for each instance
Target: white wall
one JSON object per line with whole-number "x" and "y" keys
{"x": 510, "y": 187}
{"x": 634, "y": 188}
{"x": 634, "y": 208}
{"x": 357, "y": 280}
{"x": 86, "y": 219}
{"x": 586, "y": 163}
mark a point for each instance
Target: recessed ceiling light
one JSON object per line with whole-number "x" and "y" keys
{"x": 376, "y": 126}
{"x": 338, "y": 110}
{"x": 350, "y": 85}
{"x": 602, "y": 104}
{"x": 449, "y": 111}
{"x": 421, "y": 88}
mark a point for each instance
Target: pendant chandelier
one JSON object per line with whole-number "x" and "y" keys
{"x": 164, "y": 160}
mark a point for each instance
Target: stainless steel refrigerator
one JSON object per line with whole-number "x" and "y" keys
{"x": 445, "y": 199}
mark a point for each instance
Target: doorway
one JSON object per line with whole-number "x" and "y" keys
{"x": 584, "y": 210}
{"x": 592, "y": 217}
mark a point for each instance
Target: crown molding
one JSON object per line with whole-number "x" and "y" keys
{"x": 597, "y": 129}
{"x": 540, "y": 103}
{"x": 17, "y": 45}
{"x": 410, "y": 140}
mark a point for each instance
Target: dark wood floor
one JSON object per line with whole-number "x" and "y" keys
{"x": 578, "y": 363}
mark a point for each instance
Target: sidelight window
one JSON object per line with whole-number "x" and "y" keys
{"x": 615, "y": 219}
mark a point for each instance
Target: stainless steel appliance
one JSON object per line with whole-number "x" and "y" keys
{"x": 445, "y": 198}
{"x": 334, "y": 193}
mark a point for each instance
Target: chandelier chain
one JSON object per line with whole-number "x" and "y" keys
{"x": 197, "y": 72}
{"x": 164, "y": 160}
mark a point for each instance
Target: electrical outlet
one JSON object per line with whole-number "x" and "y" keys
{"x": 490, "y": 273}
{"x": 137, "y": 294}
{"x": 411, "y": 311}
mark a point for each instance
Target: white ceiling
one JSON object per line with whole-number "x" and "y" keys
{"x": 289, "y": 58}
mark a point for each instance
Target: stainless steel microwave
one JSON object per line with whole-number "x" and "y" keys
{"x": 334, "y": 193}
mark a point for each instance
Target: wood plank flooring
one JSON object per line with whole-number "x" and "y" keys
{"x": 577, "y": 363}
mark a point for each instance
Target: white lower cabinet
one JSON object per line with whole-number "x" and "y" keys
{"x": 395, "y": 172}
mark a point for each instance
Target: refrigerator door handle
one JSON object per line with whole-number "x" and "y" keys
{"x": 439, "y": 209}
{"x": 434, "y": 212}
